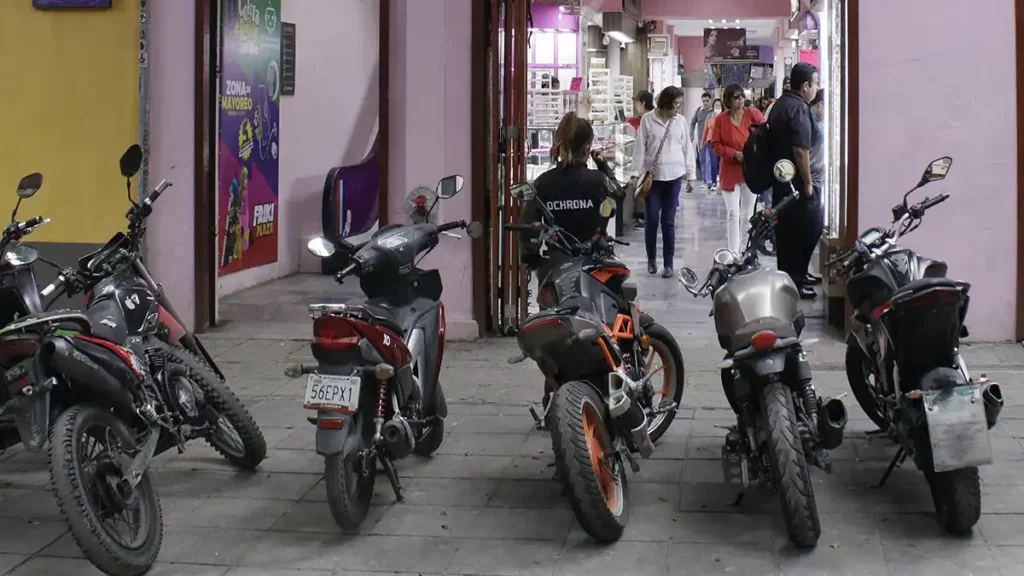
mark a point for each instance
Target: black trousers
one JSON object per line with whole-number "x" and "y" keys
{"x": 798, "y": 232}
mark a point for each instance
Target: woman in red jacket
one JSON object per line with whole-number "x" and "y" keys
{"x": 728, "y": 136}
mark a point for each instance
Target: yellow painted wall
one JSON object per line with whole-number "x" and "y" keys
{"x": 68, "y": 108}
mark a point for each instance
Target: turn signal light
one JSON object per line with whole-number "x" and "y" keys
{"x": 764, "y": 340}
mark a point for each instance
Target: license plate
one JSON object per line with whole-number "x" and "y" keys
{"x": 957, "y": 428}
{"x": 329, "y": 392}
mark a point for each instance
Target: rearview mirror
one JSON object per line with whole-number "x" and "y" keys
{"x": 449, "y": 186}
{"x": 523, "y": 191}
{"x": 937, "y": 170}
{"x": 475, "y": 230}
{"x": 320, "y": 247}
{"x": 131, "y": 161}
{"x": 29, "y": 185}
{"x": 607, "y": 208}
{"x": 689, "y": 279}
{"x": 784, "y": 171}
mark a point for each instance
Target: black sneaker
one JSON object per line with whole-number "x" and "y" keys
{"x": 666, "y": 273}
{"x": 652, "y": 268}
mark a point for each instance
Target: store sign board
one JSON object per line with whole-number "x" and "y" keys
{"x": 47, "y": 4}
{"x": 725, "y": 44}
{"x": 287, "y": 59}
{"x": 632, "y": 9}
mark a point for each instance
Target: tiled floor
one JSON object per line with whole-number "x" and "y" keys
{"x": 486, "y": 504}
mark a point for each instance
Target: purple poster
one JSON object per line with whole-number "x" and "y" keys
{"x": 71, "y": 3}
{"x": 247, "y": 160}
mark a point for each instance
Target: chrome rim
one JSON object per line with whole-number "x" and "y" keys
{"x": 227, "y": 438}
{"x": 121, "y": 511}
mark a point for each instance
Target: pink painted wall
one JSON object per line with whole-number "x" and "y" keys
{"x": 430, "y": 131}
{"x": 676, "y": 9}
{"x": 169, "y": 242}
{"x": 952, "y": 114}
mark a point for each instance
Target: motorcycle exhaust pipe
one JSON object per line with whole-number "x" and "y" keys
{"x": 629, "y": 416}
{"x": 992, "y": 396}
{"x": 61, "y": 356}
{"x": 831, "y": 423}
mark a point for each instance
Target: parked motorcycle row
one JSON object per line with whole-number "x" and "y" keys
{"x": 614, "y": 377}
{"x": 112, "y": 385}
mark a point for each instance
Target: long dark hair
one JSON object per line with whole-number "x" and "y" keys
{"x": 572, "y": 138}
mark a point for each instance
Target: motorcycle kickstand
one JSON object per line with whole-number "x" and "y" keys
{"x": 389, "y": 469}
{"x": 897, "y": 460}
{"x": 540, "y": 418}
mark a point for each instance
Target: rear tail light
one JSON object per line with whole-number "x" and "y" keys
{"x": 546, "y": 297}
{"x": 937, "y": 297}
{"x": 335, "y": 333}
{"x": 764, "y": 340}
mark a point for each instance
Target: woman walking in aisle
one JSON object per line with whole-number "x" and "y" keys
{"x": 708, "y": 158}
{"x": 663, "y": 156}
{"x": 728, "y": 137}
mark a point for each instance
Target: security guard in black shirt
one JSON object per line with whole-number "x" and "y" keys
{"x": 572, "y": 192}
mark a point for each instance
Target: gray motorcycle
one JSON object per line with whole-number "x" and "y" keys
{"x": 782, "y": 423}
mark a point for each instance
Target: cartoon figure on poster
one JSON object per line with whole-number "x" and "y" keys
{"x": 249, "y": 135}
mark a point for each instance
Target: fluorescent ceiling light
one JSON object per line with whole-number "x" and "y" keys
{"x": 724, "y": 21}
{"x": 710, "y": 21}
{"x": 619, "y": 36}
{"x": 737, "y": 21}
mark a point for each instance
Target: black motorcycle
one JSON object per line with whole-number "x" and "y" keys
{"x": 904, "y": 365}
{"x": 605, "y": 401}
{"x": 119, "y": 390}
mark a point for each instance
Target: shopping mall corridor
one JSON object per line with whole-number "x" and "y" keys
{"x": 486, "y": 504}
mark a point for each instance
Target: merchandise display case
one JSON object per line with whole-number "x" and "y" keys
{"x": 615, "y": 140}
{"x": 601, "y": 96}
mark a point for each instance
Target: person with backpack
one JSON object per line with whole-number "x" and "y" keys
{"x": 792, "y": 134}
{"x": 728, "y": 137}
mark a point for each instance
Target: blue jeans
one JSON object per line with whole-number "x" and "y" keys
{"x": 661, "y": 209}
{"x": 709, "y": 163}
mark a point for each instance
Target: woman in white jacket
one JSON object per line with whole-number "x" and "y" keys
{"x": 666, "y": 129}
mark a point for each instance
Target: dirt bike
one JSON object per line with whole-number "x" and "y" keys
{"x": 120, "y": 388}
{"x": 782, "y": 424}
{"x": 903, "y": 360}
{"x": 597, "y": 352}
{"x": 375, "y": 386}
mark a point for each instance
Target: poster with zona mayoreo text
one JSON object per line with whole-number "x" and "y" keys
{"x": 247, "y": 160}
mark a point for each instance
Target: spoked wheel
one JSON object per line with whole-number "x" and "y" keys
{"x": 234, "y": 433}
{"x": 350, "y": 481}
{"x": 864, "y": 385}
{"x": 118, "y": 528}
{"x": 664, "y": 354}
{"x": 586, "y": 461}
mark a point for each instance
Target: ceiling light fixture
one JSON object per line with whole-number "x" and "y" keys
{"x": 621, "y": 37}
{"x": 710, "y": 21}
{"x": 737, "y": 21}
{"x": 724, "y": 21}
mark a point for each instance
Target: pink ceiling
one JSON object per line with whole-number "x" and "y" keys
{"x": 693, "y": 9}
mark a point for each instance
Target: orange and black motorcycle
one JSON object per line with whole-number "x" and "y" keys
{"x": 613, "y": 376}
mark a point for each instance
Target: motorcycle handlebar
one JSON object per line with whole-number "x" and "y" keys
{"x": 451, "y": 226}
{"x": 163, "y": 185}
{"x": 520, "y": 227}
{"x": 928, "y": 203}
{"x": 347, "y": 271}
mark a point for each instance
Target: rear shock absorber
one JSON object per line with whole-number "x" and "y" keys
{"x": 383, "y": 373}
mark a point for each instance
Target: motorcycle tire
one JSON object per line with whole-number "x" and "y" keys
{"x": 592, "y": 476}
{"x": 957, "y": 498}
{"x": 76, "y": 498}
{"x": 249, "y": 447}
{"x": 789, "y": 467}
{"x": 432, "y": 440}
{"x": 857, "y": 372}
{"x": 664, "y": 343}
{"x": 348, "y": 491}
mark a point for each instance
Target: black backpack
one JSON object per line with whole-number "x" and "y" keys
{"x": 758, "y": 162}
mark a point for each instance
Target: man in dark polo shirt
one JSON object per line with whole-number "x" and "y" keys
{"x": 793, "y": 133}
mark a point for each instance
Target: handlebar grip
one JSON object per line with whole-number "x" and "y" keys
{"x": 784, "y": 204}
{"x": 933, "y": 201}
{"x": 520, "y": 227}
{"x": 451, "y": 226}
{"x": 347, "y": 271}
{"x": 53, "y": 286}
{"x": 163, "y": 185}
{"x": 31, "y": 223}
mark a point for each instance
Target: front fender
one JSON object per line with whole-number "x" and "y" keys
{"x": 340, "y": 441}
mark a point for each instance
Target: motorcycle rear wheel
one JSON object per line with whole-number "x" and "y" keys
{"x": 88, "y": 501}
{"x": 349, "y": 489}
{"x": 857, "y": 373}
{"x": 957, "y": 498}
{"x": 789, "y": 467}
{"x": 591, "y": 472}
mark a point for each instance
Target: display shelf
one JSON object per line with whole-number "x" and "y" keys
{"x": 622, "y": 96}
{"x": 544, "y": 107}
{"x": 600, "y": 96}
{"x": 613, "y": 139}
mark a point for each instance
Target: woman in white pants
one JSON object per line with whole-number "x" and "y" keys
{"x": 728, "y": 136}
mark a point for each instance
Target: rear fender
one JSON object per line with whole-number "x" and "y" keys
{"x": 344, "y": 440}
{"x": 763, "y": 365}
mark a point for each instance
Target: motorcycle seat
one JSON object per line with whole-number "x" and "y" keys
{"x": 927, "y": 284}
{"x": 377, "y": 314}
{"x": 64, "y": 319}
{"x": 781, "y": 328}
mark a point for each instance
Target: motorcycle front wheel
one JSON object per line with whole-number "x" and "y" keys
{"x": 349, "y": 483}
{"x": 587, "y": 464}
{"x": 94, "y": 498}
{"x": 789, "y": 467}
